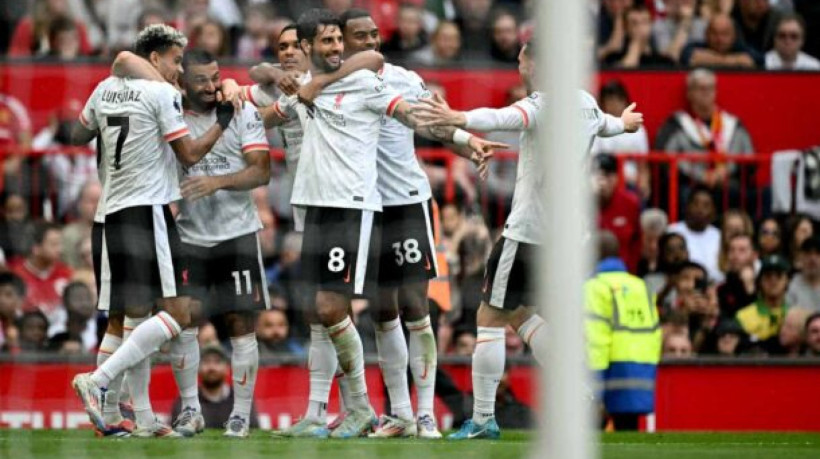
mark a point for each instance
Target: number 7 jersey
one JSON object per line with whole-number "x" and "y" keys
{"x": 137, "y": 119}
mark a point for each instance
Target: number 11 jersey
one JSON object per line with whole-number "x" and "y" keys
{"x": 137, "y": 119}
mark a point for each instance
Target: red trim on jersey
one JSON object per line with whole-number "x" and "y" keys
{"x": 279, "y": 110}
{"x": 249, "y": 95}
{"x": 255, "y": 146}
{"x": 177, "y": 134}
{"x": 392, "y": 106}
{"x": 524, "y": 114}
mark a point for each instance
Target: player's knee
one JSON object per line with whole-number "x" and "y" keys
{"x": 138, "y": 310}
{"x": 180, "y": 309}
{"x": 240, "y": 323}
{"x": 115, "y": 324}
{"x": 521, "y": 315}
{"x": 489, "y": 316}
{"x": 331, "y": 308}
{"x": 413, "y": 301}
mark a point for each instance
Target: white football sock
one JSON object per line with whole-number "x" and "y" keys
{"x": 184, "y": 355}
{"x": 392, "y": 351}
{"x": 244, "y": 367}
{"x": 423, "y": 363}
{"x": 138, "y": 377}
{"x": 344, "y": 389}
{"x": 348, "y": 345}
{"x": 322, "y": 363}
{"x": 533, "y": 332}
{"x": 488, "y": 367}
{"x": 144, "y": 340}
{"x": 111, "y": 409}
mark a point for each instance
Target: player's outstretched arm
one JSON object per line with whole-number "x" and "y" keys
{"x": 189, "y": 151}
{"x": 436, "y": 112}
{"x": 255, "y": 174}
{"x": 365, "y": 60}
{"x": 128, "y": 64}
{"x": 266, "y": 74}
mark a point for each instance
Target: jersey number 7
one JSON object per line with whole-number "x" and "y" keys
{"x": 123, "y": 124}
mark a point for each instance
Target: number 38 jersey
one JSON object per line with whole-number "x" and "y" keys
{"x": 136, "y": 119}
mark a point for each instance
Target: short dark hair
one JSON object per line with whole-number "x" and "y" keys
{"x": 291, "y": 26}
{"x": 9, "y": 278}
{"x": 70, "y": 288}
{"x": 159, "y": 38}
{"x": 796, "y": 17}
{"x": 196, "y": 56}
{"x": 60, "y": 24}
{"x": 699, "y": 189}
{"x": 41, "y": 229}
{"x": 32, "y": 315}
{"x": 307, "y": 27}
{"x": 353, "y": 13}
{"x": 614, "y": 88}
{"x": 811, "y": 319}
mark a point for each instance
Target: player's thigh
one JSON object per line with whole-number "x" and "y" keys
{"x": 236, "y": 273}
{"x": 340, "y": 250}
{"x": 129, "y": 259}
{"x": 407, "y": 247}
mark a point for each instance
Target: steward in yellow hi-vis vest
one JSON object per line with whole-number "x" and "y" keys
{"x": 623, "y": 334}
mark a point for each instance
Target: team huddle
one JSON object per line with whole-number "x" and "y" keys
{"x": 175, "y": 234}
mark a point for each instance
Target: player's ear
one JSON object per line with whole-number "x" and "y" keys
{"x": 153, "y": 58}
{"x": 305, "y": 45}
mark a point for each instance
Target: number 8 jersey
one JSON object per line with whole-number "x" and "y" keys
{"x": 137, "y": 119}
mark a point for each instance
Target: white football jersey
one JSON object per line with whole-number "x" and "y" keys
{"x": 527, "y": 216}
{"x": 137, "y": 119}
{"x": 401, "y": 180}
{"x": 226, "y": 214}
{"x": 291, "y": 131}
{"x": 337, "y": 164}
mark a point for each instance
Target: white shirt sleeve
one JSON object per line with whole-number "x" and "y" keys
{"x": 259, "y": 96}
{"x": 520, "y": 116}
{"x": 169, "y": 113}
{"x": 610, "y": 125}
{"x": 379, "y": 97}
{"x": 252, "y": 131}
{"x": 87, "y": 115}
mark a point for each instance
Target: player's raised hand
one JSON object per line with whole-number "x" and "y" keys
{"x": 482, "y": 151}
{"x": 199, "y": 186}
{"x": 288, "y": 82}
{"x": 435, "y": 111}
{"x": 230, "y": 91}
{"x": 632, "y": 120}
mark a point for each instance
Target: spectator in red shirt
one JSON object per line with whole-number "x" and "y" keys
{"x": 45, "y": 275}
{"x": 619, "y": 210}
{"x": 31, "y": 35}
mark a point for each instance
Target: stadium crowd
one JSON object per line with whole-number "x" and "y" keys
{"x": 762, "y": 34}
{"x": 725, "y": 284}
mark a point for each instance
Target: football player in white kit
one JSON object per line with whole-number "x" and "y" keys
{"x": 509, "y": 289}
{"x": 336, "y": 181}
{"x": 143, "y": 135}
{"x": 218, "y": 224}
{"x": 408, "y": 258}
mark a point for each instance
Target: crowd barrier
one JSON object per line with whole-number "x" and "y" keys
{"x": 701, "y": 394}
{"x": 667, "y": 183}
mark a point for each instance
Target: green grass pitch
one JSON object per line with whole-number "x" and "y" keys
{"x": 18, "y": 444}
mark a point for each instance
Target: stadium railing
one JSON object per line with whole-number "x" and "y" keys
{"x": 668, "y": 184}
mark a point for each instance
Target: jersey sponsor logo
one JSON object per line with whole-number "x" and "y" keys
{"x": 337, "y": 102}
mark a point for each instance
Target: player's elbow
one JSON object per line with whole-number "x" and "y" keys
{"x": 263, "y": 176}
